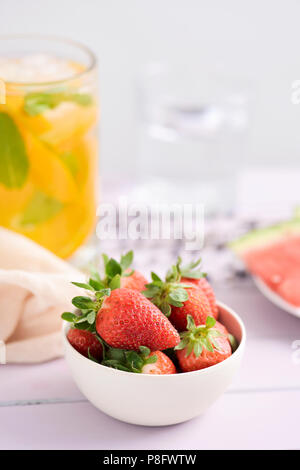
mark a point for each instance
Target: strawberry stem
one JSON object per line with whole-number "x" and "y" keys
{"x": 198, "y": 337}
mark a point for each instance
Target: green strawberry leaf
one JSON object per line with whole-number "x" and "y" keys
{"x": 179, "y": 295}
{"x": 183, "y": 344}
{"x": 129, "y": 361}
{"x": 170, "y": 292}
{"x": 126, "y": 260}
{"x": 83, "y": 326}
{"x": 115, "y": 354}
{"x": 102, "y": 293}
{"x": 210, "y": 322}
{"x": 91, "y": 357}
{"x": 197, "y": 348}
{"x": 96, "y": 285}
{"x": 174, "y": 303}
{"x": 91, "y": 317}
{"x": 113, "y": 268}
{"x": 105, "y": 259}
{"x": 233, "y": 342}
{"x": 151, "y": 291}
{"x": 173, "y": 274}
{"x": 115, "y": 365}
{"x": 83, "y": 302}
{"x": 94, "y": 273}
{"x": 195, "y": 338}
{"x": 144, "y": 350}
{"x": 207, "y": 344}
{"x": 165, "y": 308}
{"x": 156, "y": 278}
{"x": 83, "y": 285}
{"x": 151, "y": 359}
{"x": 115, "y": 283}
{"x": 81, "y": 319}
{"x": 189, "y": 349}
{"x": 189, "y": 270}
{"x": 190, "y": 323}
{"x": 68, "y": 316}
{"x": 14, "y": 163}
{"x": 128, "y": 274}
{"x": 134, "y": 361}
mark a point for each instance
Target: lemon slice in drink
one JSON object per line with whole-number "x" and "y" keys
{"x": 48, "y": 171}
{"x": 67, "y": 121}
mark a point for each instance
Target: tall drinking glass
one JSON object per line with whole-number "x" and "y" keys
{"x": 48, "y": 140}
{"x": 193, "y": 122}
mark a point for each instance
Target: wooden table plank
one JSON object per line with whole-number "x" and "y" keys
{"x": 268, "y": 381}
{"x": 236, "y": 421}
{"x": 267, "y": 364}
{"x": 50, "y": 380}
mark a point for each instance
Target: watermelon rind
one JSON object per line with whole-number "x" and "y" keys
{"x": 260, "y": 238}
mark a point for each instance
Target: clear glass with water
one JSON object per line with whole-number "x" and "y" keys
{"x": 192, "y": 133}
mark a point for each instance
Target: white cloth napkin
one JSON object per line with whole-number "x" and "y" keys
{"x": 35, "y": 289}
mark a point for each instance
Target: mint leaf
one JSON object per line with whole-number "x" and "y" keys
{"x": 39, "y": 209}
{"x": 14, "y": 164}
{"x": 38, "y": 103}
{"x": 71, "y": 162}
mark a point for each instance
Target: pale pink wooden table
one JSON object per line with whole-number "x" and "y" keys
{"x": 41, "y": 408}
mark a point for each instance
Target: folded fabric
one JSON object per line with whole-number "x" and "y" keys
{"x": 35, "y": 289}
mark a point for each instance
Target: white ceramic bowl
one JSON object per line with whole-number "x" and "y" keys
{"x": 156, "y": 400}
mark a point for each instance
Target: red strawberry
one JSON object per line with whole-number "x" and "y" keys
{"x": 203, "y": 346}
{"x": 203, "y": 284}
{"x": 142, "y": 361}
{"x": 163, "y": 365}
{"x": 197, "y": 306}
{"x": 85, "y": 342}
{"x": 177, "y": 299}
{"x": 127, "y": 320}
{"x": 135, "y": 281}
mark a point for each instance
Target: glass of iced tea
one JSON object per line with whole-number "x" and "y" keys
{"x": 48, "y": 140}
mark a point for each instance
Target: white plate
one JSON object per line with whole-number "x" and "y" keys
{"x": 275, "y": 298}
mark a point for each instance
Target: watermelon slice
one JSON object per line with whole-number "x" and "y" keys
{"x": 273, "y": 255}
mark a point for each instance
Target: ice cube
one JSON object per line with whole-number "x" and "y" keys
{"x": 36, "y": 68}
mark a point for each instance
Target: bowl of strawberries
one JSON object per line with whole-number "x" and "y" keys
{"x": 151, "y": 353}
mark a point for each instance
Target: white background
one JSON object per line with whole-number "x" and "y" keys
{"x": 259, "y": 39}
